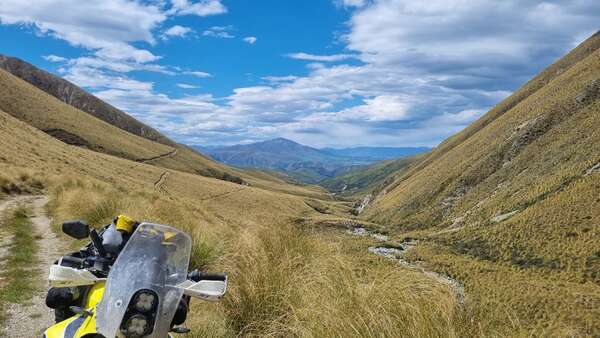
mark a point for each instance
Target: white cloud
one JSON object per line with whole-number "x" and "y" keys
{"x": 201, "y": 8}
{"x": 321, "y": 58}
{"x": 54, "y": 58}
{"x": 250, "y": 39}
{"x": 98, "y": 79}
{"x": 379, "y": 108}
{"x": 222, "y": 32}
{"x": 198, "y": 74}
{"x": 187, "y": 86}
{"x": 115, "y": 24}
{"x": 427, "y": 69}
{"x": 277, "y": 79}
{"x": 177, "y": 31}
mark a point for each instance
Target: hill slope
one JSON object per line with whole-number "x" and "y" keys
{"x": 365, "y": 180}
{"x": 514, "y": 197}
{"x": 78, "y": 98}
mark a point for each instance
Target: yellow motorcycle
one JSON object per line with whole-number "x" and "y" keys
{"x": 133, "y": 294}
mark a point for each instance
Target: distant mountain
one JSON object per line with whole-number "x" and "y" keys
{"x": 303, "y": 163}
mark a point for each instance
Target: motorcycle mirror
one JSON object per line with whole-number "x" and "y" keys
{"x": 76, "y": 229}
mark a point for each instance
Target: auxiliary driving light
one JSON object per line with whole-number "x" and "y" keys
{"x": 136, "y": 326}
{"x": 145, "y": 301}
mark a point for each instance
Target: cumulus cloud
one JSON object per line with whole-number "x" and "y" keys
{"x": 54, "y": 58}
{"x": 250, "y": 39}
{"x": 187, "y": 86}
{"x": 277, "y": 79}
{"x": 320, "y": 58}
{"x": 425, "y": 70}
{"x": 428, "y": 70}
{"x": 222, "y": 32}
{"x": 197, "y": 74}
{"x": 177, "y": 31}
{"x": 116, "y": 23}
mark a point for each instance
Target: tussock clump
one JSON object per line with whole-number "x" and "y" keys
{"x": 288, "y": 282}
{"x": 20, "y": 182}
{"x": 590, "y": 93}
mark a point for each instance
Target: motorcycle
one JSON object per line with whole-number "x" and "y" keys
{"x": 133, "y": 294}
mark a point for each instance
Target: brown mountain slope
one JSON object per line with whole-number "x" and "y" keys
{"x": 73, "y": 126}
{"x": 511, "y": 205}
{"x": 26, "y": 147}
{"x": 45, "y": 112}
{"x": 80, "y": 99}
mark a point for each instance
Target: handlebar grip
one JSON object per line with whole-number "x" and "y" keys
{"x": 197, "y": 276}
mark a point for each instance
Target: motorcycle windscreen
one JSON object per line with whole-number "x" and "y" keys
{"x": 156, "y": 257}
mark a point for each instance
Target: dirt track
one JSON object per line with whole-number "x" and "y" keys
{"x": 31, "y": 318}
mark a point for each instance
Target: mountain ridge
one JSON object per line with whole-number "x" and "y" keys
{"x": 302, "y": 162}
{"x": 73, "y": 95}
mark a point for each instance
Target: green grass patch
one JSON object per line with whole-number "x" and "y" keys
{"x": 17, "y": 281}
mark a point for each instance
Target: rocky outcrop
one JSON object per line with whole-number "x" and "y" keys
{"x": 360, "y": 205}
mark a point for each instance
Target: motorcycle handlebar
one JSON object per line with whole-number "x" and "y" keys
{"x": 97, "y": 243}
{"x": 197, "y": 276}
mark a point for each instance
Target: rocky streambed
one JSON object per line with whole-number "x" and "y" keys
{"x": 396, "y": 251}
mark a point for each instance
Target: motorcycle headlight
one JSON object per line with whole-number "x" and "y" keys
{"x": 136, "y": 326}
{"x": 145, "y": 301}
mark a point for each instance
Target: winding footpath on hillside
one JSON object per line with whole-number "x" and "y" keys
{"x": 158, "y": 157}
{"x": 32, "y": 317}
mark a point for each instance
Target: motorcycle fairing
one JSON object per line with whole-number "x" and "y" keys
{"x": 79, "y": 326}
{"x": 156, "y": 257}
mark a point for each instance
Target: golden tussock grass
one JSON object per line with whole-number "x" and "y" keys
{"x": 285, "y": 279}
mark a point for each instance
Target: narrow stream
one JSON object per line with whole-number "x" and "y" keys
{"x": 396, "y": 251}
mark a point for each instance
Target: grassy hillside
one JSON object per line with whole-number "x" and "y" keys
{"x": 59, "y": 119}
{"x": 510, "y": 205}
{"x": 78, "y": 98}
{"x": 64, "y": 122}
{"x": 363, "y": 180}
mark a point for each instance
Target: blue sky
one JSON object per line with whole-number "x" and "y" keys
{"x": 321, "y": 72}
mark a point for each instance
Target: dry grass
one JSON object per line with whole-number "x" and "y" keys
{"x": 285, "y": 280}
{"x": 532, "y": 154}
